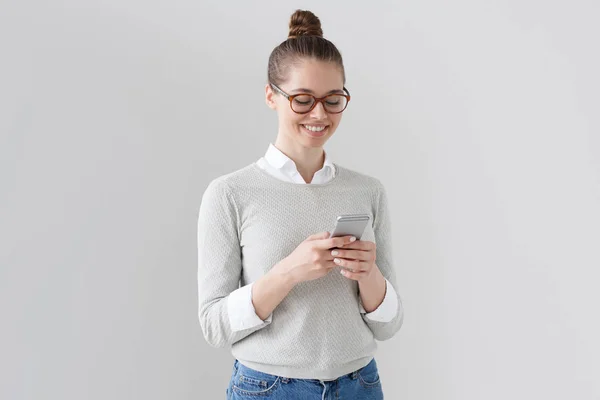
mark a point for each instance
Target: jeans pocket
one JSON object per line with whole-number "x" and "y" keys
{"x": 368, "y": 376}
{"x": 249, "y": 382}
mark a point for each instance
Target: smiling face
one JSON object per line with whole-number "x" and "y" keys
{"x": 312, "y": 129}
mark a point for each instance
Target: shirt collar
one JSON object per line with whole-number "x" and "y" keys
{"x": 279, "y": 160}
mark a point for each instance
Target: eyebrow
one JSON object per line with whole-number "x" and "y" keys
{"x": 303, "y": 90}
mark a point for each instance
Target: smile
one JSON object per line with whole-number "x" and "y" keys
{"x": 315, "y": 130}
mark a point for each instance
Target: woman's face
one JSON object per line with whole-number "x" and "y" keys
{"x": 319, "y": 79}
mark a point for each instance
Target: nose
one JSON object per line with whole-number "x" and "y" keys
{"x": 319, "y": 111}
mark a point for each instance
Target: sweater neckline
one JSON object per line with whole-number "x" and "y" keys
{"x": 261, "y": 171}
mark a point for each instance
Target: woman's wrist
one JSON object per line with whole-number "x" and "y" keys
{"x": 285, "y": 274}
{"x": 372, "y": 291}
{"x": 270, "y": 290}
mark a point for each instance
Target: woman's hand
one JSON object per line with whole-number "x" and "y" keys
{"x": 359, "y": 257}
{"x": 357, "y": 260}
{"x": 312, "y": 258}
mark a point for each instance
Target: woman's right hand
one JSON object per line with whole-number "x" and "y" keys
{"x": 312, "y": 258}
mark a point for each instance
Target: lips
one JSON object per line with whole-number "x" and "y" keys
{"x": 315, "y": 133}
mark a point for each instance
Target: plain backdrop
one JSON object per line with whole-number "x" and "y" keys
{"x": 480, "y": 117}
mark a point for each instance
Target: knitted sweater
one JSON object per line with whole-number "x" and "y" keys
{"x": 248, "y": 221}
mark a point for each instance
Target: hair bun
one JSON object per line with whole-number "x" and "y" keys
{"x": 304, "y": 23}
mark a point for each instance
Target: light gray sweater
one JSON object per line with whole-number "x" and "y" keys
{"x": 248, "y": 221}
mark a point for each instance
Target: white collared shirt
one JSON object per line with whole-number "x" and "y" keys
{"x": 284, "y": 168}
{"x": 242, "y": 314}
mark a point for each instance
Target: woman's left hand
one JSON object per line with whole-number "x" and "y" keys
{"x": 357, "y": 260}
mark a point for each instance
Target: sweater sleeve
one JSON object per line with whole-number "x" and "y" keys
{"x": 388, "y": 307}
{"x": 219, "y": 265}
{"x": 240, "y": 308}
{"x": 384, "y": 261}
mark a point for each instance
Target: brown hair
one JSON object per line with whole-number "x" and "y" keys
{"x": 305, "y": 41}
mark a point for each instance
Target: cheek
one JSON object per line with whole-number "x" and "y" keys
{"x": 335, "y": 121}
{"x": 286, "y": 115}
{"x": 285, "y": 118}
{"x": 293, "y": 119}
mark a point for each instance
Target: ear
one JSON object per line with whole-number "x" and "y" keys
{"x": 269, "y": 97}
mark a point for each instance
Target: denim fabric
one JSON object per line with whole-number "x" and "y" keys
{"x": 247, "y": 383}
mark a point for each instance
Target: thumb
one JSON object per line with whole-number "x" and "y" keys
{"x": 318, "y": 236}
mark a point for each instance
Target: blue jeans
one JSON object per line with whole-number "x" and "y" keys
{"x": 247, "y": 383}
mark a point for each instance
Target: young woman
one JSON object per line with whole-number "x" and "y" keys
{"x": 300, "y": 310}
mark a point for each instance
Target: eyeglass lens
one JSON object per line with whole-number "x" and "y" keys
{"x": 333, "y": 103}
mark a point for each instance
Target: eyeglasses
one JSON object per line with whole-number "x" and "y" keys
{"x": 303, "y": 103}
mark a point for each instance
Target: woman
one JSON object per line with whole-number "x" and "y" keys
{"x": 268, "y": 278}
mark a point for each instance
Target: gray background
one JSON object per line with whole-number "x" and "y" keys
{"x": 480, "y": 117}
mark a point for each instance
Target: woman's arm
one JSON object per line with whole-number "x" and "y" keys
{"x": 220, "y": 267}
{"x": 270, "y": 290}
{"x": 375, "y": 289}
{"x": 310, "y": 260}
{"x": 372, "y": 291}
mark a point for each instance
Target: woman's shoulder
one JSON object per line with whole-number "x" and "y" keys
{"x": 222, "y": 188}
{"x": 234, "y": 177}
{"x": 362, "y": 178}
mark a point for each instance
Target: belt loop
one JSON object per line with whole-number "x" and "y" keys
{"x": 285, "y": 380}
{"x": 355, "y": 374}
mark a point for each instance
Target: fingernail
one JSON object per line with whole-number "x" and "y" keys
{"x": 343, "y": 272}
{"x": 352, "y": 238}
{"x": 334, "y": 253}
{"x": 336, "y": 260}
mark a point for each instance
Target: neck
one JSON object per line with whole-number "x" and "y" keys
{"x": 308, "y": 160}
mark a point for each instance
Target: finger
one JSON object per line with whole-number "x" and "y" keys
{"x": 360, "y": 245}
{"x": 357, "y": 276}
{"x": 351, "y": 264}
{"x": 360, "y": 255}
{"x": 338, "y": 241}
{"x": 326, "y": 256}
{"x": 319, "y": 236}
{"x": 331, "y": 265}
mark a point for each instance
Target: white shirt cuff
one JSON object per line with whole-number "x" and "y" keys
{"x": 240, "y": 309}
{"x": 387, "y": 310}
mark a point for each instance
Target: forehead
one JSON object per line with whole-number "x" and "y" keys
{"x": 318, "y": 76}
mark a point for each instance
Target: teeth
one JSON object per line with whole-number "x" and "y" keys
{"x": 314, "y": 128}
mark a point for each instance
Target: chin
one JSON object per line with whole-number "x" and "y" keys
{"x": 315, "y": 143}
{"x": 309, "y": 141}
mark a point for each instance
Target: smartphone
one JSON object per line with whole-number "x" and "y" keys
{"x": 350, "y": 224}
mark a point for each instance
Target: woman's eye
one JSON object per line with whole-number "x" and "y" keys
{"x": 333, "y": 103}
{"x": 303, "y": 103}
